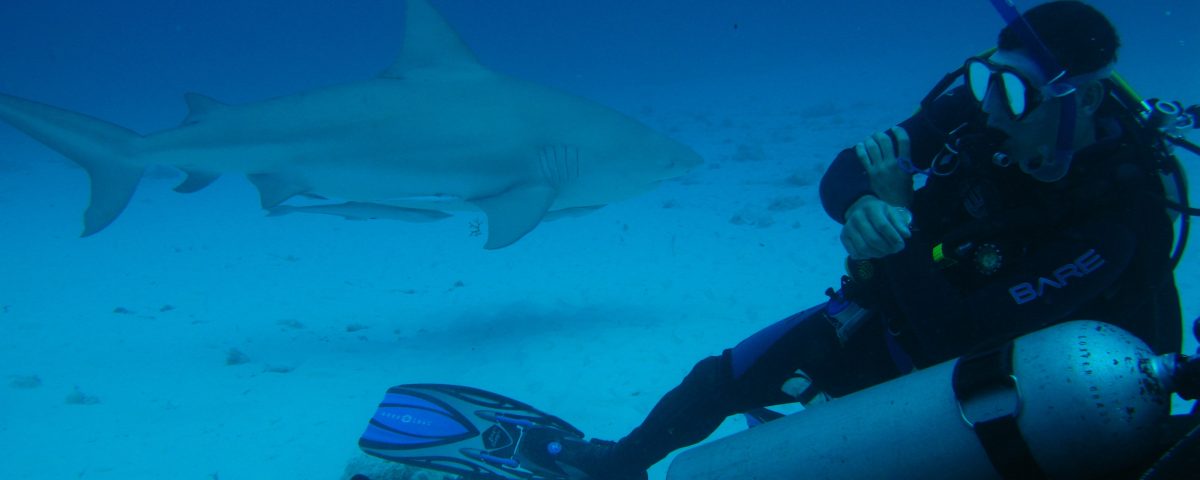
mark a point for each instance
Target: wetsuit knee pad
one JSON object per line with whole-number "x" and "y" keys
{"x": 805, "y": 342}
{"x": 710, "y": 376}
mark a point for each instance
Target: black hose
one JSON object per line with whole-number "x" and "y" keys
{"x": 1181, "y": 461}
{"x": 1184, "y": 144}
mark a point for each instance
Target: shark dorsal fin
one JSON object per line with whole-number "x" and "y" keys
{"x": 430, "y": 43}
{"x": 199, "y": 105}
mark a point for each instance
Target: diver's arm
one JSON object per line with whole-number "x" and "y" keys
{"x": 844, "y": 182}
{"x": 881, "y": 154}
{"x": 875, "y": 222}
{"x": 854, "y": 175}
{"x": 870, "y": 227}
{"x": 875, "y": 228}
{"x": 847, "y": 179}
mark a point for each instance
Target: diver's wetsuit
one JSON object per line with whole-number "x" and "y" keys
{"x": 1095, "y": 245}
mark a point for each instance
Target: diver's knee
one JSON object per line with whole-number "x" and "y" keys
{"x": 710, "y": 369}
{"x": 710, "y": 375}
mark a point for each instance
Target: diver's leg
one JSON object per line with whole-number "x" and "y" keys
{"x": 747, "y": 376}
{"x": 719, "y": 386}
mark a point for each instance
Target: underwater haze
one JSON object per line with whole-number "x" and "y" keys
{"x": 197, "y": 338}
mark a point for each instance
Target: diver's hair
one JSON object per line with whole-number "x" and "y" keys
{"x": 1080, "y": 37}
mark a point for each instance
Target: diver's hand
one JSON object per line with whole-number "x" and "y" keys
{"x": 875, "y": 229}
{"x": 880, "y": 157}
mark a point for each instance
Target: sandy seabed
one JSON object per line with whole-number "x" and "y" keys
{"x": 197, "y": 339}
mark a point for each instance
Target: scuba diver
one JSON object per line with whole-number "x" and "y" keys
{"x": 1047, "y": 208}
{"x": 1044, "y": 200}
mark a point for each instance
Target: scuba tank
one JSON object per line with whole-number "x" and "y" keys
{"x": 1081, "y": 399}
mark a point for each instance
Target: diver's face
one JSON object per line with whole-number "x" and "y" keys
{"x": 1031, "y": 139}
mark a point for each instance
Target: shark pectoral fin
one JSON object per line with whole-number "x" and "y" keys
{"x": 112, "y": 186}
{"x": 274, "y": 189}
{"x": 514, "y": 213}
{"x": 196, "y": 180}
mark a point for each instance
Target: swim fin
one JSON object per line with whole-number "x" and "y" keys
{"x": 473, "y": 433}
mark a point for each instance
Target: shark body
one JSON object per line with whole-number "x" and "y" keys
{"x": 436, "y": 124}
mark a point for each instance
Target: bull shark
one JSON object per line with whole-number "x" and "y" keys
{"x": 435, "y": 124}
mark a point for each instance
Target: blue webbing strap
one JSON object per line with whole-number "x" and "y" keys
{"x": 1065, "y": 145}
{"x": 1041, "y": 54}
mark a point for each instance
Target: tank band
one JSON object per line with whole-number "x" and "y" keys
{"x": 990, "y": 374}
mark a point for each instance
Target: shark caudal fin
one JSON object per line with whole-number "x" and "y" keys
{"x": 101, "y": 148}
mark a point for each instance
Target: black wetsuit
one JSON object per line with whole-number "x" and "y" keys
{"x": 1094, "y": 245}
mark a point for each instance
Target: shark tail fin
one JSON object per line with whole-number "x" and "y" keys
{"x": 103, "y": 149}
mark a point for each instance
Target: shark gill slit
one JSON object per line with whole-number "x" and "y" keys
{"x": 556, "y": 164}
{"x": 544, "y": 163}
{"x": 575, "y": 175}
{"x": 562, "y": 165}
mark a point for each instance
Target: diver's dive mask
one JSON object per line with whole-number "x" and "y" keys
{"x": 1020, "y": 94}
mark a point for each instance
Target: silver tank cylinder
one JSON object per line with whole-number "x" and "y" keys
{"x": 1089, "y": 394}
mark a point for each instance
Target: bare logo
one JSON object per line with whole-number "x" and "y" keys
{"x": 1087, "y": 263}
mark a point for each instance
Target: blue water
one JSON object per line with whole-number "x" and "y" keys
{"x": 611, "y": 309}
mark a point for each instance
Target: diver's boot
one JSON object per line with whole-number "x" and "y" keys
{"x": 595, "y": 460}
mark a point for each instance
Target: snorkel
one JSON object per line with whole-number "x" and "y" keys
{"x": 1048, "y": 170}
